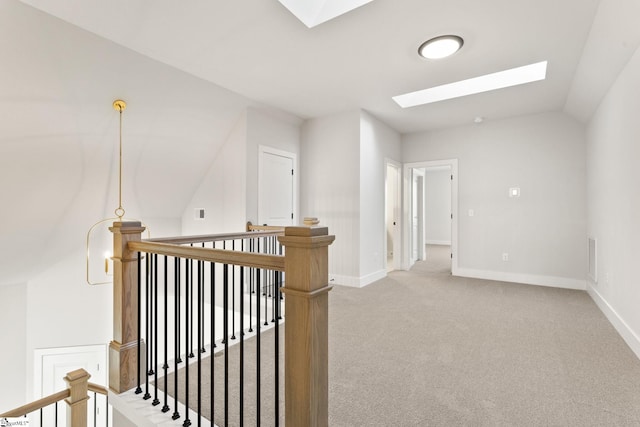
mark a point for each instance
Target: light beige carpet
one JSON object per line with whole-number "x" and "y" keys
{"x": 423, "y": 348}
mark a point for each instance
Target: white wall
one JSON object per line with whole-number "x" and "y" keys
{"x": 437, "y": 206}
{"x": 13, "y": 334}
{"x": 222, "y": 192}
{"x": 543, "y": 230}
{"x": 377, "y": 143}
{"x": 613, "y": 153}
{"x": 229, "y": 190}
{"x": 330, "y": 186}
{"x": 64, "y": 311}
{"x": 343, "y": 184}
{"x": 273, "y": 129}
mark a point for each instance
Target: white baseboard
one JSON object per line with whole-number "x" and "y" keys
{"x": 627, "y": 334}
{"x": 528, "y": 279}
{"x": 439, "y": 242}
{"x": 357, "y": 282}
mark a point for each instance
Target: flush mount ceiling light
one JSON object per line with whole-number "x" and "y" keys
{"x": 502, "y": 79}
{"x": 440, "y": 47}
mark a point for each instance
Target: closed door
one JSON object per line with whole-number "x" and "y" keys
{"x": 276, "y": 188}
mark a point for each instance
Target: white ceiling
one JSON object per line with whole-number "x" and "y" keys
{"x": 189, "y": 70}
{"x": 362, "y": 58}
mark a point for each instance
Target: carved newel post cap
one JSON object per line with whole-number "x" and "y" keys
{"x": 311, "y": 221}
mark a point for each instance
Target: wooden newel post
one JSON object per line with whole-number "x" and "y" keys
{"x": 78, "y": 385}
{"x": 123, "y": 350}
{"x": 306, "y": 329}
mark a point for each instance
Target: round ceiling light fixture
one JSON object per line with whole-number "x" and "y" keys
{"x": 440, "y": 47}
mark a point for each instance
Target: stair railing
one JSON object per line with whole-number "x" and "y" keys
{"x": 76, "y": 397}
{"x": 304, "y": 264}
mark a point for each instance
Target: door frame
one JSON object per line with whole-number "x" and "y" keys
{"x": 417, "y": 179}
{"x": 407, "y": 209}
{"x": 397, "y": 207}
{"x": 262, "y": 150}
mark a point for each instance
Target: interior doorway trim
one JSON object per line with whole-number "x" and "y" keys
{"x": 396, "y": 262}
{"x": 262, "y": 150}
{"x": 406, "y": 209}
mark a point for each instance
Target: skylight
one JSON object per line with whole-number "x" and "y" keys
{"x": 315, "y": 12}
{"x": 513, "y": 77}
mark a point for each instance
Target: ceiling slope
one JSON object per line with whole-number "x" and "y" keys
{"x": 357, "y": 60}
{"x": 614, "y": 37}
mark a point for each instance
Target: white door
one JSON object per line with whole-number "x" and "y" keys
{"x": 276, "y": 187}
{"x": 53, "y": 364}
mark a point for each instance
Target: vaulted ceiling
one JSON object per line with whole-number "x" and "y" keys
{"x": 189, "y": 69}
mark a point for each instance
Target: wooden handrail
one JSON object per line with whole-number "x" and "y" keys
{"x": 247, "y": 259}
{"x": 38, "y": 404}
{"x": 75, "y": 396}
{"x": 181, "y": 240}
{"x": 257, "y": 228}
{"x": 96, "y": 388}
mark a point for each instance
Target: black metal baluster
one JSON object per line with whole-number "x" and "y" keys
{"x": 282, "y": 278}
{"x": 150, "y": 291}
{"x": 251, "y": 287}
{"x": 165, "y": 407}
{"x": 280, "y": 283}
{"x": 213, "y": 335}
{"x": 187, "y": 421}
{"x": 233, "y": 296}
{"x": 273, "y": 300}
{"x": 224, "y": 283}
{"x": 200, "y": 273}
{"x": 138, "y": 388}
{"x": 107, "y": 409}
{"x": 258, "y": 274}
{"x": 241, "y": 348}
{"x": 266, "y": 298}
{"x": 176, "y": 348}
{"x": 191, "y": 355}
{"x": 147, "y": 395}
{"x": 55, "y": 414}
{"x": 270, "y": 251}
{"x": 265, "y": 284}
{"x": 178, "y": 304}
{"x": 225, "y": 323}
{"x": 201, "y": 284}
{"x": 277, "y": 358}
{"x": 156, "y": 401}
{"x": 213, "y": 305}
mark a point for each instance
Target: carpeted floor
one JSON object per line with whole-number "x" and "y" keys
{"x": 423, "y": 348}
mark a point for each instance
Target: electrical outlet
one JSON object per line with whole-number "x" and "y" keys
{"x": 505, "y": 256}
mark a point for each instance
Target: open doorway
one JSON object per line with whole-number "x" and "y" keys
{"x": 392, "y": 215}
{"x": 431, "y": 203}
